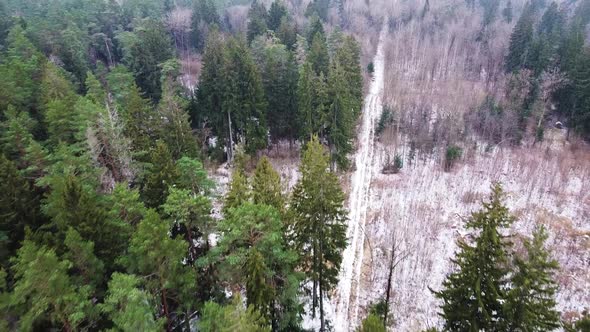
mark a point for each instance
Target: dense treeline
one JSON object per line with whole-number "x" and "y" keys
{"x": 106, "y": 209}
{"x": 547, "y": 64}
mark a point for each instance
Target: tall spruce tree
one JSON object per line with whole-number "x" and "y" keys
{"x": 521, "y": 41}
{"x": 530, "y": 304}
{"x": 473, "y": 294}
{"x": 266, "y": 186}
{"x": 318, "y": 224}
{"x": 257, "y": 18}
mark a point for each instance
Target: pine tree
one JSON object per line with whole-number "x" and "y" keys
{"x": 372, "y": 324}
{"x": 276, "y": 13}
{"x": 313, "y": 102}
{"x": 520, "y": 41}
{"x": 144, "y": 49}
{"x": 72, "y": 203}
{"x": 319, "y": 226}
{"x": 176, "y": 130}
{"x": 19, "y": 208}
{"x": 161, "y": 175}
{"x": 231, "y": 318}
{"x": 204, "y": 16}
{"x": 473, "y": 294}
{"x": 253, "y": 252}
{"x": 239, "y": 190}
{"x": 279, "y": 78}
{"x": 341, "y": 129}
{"x": 20, "y": 69}
{"x": 266, "y": 186}
{"x": 318, "y": 54}
{"x": 157, "y": 258}
{"x": 128, "y": 306}
{"x": 84, "y": 262}
{"x": 43, "y": 289}
{"x": 530, "y": 304}
{"x": 243, "y": 101}
{"x": 257, "y": 18}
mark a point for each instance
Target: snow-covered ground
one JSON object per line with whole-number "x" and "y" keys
{"x": 423, "y": 208}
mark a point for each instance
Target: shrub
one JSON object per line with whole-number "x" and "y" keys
{"x": 371, "y": 68}
{"x": 385, "y": 119}
{"x": 453, "y": 154}
{"x": 393, "y": 166}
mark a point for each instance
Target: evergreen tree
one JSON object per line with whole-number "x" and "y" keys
{"x": 128, "y": 306}
{"x": 276, "y": 13}
{"x": 318, "y": 54}
{"x": 231, "y": 318}
{"x": 520, "y": 41}
{"x": 313, "y": 103}
{"x": 243, "y": 100}
{"x": 19, "y": 208}
{"x": 266, "y": 186}
{"x": 530, "y": 304}
{"x": 44, "y": 290}
{"x": 144, "y": 49}
{"x": 254, "y": 254}
{"x": 342, "y": 117}
{"x": 287, "y": 33}
{"x": 204, "y": 16}
{"x": 211, "y": 87}
{"x": 372, "y": 324}
{"x": 507, "y": 12}
{"x": 176, "y": 130}
{"x": 72, "y": 203}
{"x": 20, "y": 69}
{"x": 161, "y": 175}
{"x": 279, "y": 78}
{"x": 319, "y": 227}
{"x": 84, "y": 262}
{"x": 257, "y": 18}
{"x": 239, "y": 190}
{"x": 474, "y": 293}
{"x": 157, "y": 258}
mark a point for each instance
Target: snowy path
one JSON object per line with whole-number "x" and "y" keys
{"x": 347, "y": 293}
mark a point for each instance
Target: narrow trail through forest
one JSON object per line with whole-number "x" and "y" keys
{"x": 347, "y": 294}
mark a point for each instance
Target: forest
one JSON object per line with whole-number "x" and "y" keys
{"x": 139, "y": 187}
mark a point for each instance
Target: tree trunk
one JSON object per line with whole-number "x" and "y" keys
{"x": 390, "y": 275}
{"x": 166, "y": 313}
{"x": 230, "y": 146}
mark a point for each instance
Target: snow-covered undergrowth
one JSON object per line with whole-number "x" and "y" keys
{"x": 422, "y": 208}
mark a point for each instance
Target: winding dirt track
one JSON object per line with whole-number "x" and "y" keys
{"x": 347, "y": 293}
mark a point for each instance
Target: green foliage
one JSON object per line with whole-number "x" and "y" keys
{"x": 319, "y": 221}
{"x": 85, "y": 263}
{"x": 530, "y": 304}
{"x": 158, "y": 258}
{"x": 453, "y": 153}
{"x": 204, "y": 14}
{"x": 19, "y": 208}
{"x": 161, "y": 175}
{"x": 473, "y": 294}
{"x": 276, "y": 13}
{"x": 257, "y": 18}
{"x": 144, "y": 49}
{"x": 385, "y": 119}
{"x": 371, "y": 68}
{"x": 255, "y": 255}
{"x": 44, "y": 290}
{"x": 372, "y": 324}
{"x": 73, "y": 204}
{"x": 520, "y": 41}
{"x": 279, "y": 79}
{"x": 318, "y": 54}
{"x": 128, "y": 306}
{"x": 239, "y": 190}
{"x": 266, "y": 186}
{"x": 231, "y": 318}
